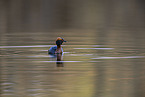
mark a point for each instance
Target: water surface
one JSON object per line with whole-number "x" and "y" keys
{"x": 88, "y": 68}
{"x": 104, "y": 55}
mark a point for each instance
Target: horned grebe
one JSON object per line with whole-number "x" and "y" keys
{"x": 57, "y": 49}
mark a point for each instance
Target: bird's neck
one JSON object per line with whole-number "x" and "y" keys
{"x": 58, "y": 46}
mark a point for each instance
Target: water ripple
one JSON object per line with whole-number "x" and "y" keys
{"x": 67, "y": 61}
{"x": 119, "y": 57}
{"x": 96, "y": 48}
{"x": 26, "y": 46}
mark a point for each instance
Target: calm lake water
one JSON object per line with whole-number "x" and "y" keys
{"x": 93, "y": 65}
{"x": 104, "y": 55}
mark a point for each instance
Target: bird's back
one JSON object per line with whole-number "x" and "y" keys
{"x": 52, "y": 50}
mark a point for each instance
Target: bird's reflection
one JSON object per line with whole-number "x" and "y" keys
{"x": 59, "y": 62}
{"x": 59, "y": 58}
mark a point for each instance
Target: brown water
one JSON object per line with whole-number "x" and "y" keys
{"x": 92, "y": 65}
{"x": 104, "y": 55}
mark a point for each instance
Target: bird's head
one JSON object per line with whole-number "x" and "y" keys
{"x": 59, "y": 41}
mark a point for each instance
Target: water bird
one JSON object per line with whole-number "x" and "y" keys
{"x": 57, "y": 49}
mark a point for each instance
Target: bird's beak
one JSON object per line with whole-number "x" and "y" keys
{"x": 64, "y": 40}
